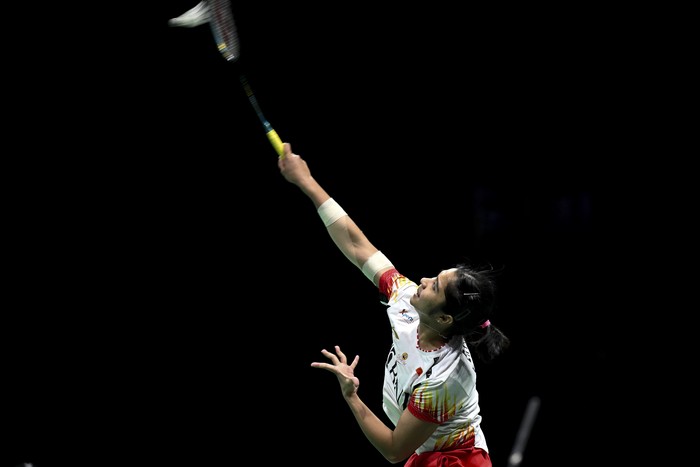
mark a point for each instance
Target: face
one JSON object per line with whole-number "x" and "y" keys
{"x": 430, "y": 295}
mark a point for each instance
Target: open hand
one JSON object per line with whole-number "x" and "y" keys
{"x": 349, "y": 383}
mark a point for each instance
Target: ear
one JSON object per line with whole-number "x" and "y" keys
{"x": 445, "y": 319}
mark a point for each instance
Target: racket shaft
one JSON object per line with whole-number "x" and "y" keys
{"x": 272, "y": 135}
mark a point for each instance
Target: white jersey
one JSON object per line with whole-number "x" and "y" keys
{"x": 438, "y": 386}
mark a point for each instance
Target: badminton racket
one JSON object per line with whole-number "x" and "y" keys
{"x": 226, "y": 37}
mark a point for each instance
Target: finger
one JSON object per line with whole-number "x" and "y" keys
{"x": 323, "y": 366}
{"x": 354, "y": 362}
{"x": 330, "y": 356}
{"x": 328, "y": 367}
{"x": 340, "y": 353}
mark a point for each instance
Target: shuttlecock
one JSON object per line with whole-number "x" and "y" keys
{"x": 192, "y": 17}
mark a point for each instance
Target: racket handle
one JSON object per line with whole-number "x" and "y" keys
{"x": 276, "y": 141}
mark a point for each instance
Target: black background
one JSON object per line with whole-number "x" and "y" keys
{"x": 168, "y": 290}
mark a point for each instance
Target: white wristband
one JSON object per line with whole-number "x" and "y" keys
{"x": 330, "y": 211}
{"x": 374, "y": 264}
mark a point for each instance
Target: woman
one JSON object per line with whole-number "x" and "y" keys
{"x": 430, "y": 391}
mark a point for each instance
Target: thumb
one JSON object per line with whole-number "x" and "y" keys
{"x": 286, "y": 150}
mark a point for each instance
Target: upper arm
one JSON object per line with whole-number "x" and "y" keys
{"x": 410, "y": 433}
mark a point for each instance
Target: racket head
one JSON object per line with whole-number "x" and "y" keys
{"x": 224, "y": 29}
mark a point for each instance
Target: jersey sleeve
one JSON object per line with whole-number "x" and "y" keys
{"x": 435, "y": 401}
{"x": 386, "y": 282}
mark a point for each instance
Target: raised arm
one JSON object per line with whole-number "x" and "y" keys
{"x": 345, "y": 233}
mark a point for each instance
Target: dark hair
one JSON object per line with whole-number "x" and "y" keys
{"x": 470, "y": 299}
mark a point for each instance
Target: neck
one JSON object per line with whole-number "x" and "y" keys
{"x": 430, "y": 338}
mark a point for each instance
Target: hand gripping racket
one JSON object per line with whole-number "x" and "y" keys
{"x": 226, "y": 38}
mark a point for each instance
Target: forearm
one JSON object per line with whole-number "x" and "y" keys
{"x": 314, "y": 191}
{"x": 351, "y": 240}
{"x": 381, "y": 436}
{"x": 346, "y": 235}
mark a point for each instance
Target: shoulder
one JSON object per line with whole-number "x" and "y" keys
{"x": 391, "y": 282}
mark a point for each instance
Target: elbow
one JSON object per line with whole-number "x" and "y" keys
{"x": 395, "y": 459}
{"x": 396, "y": 454}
